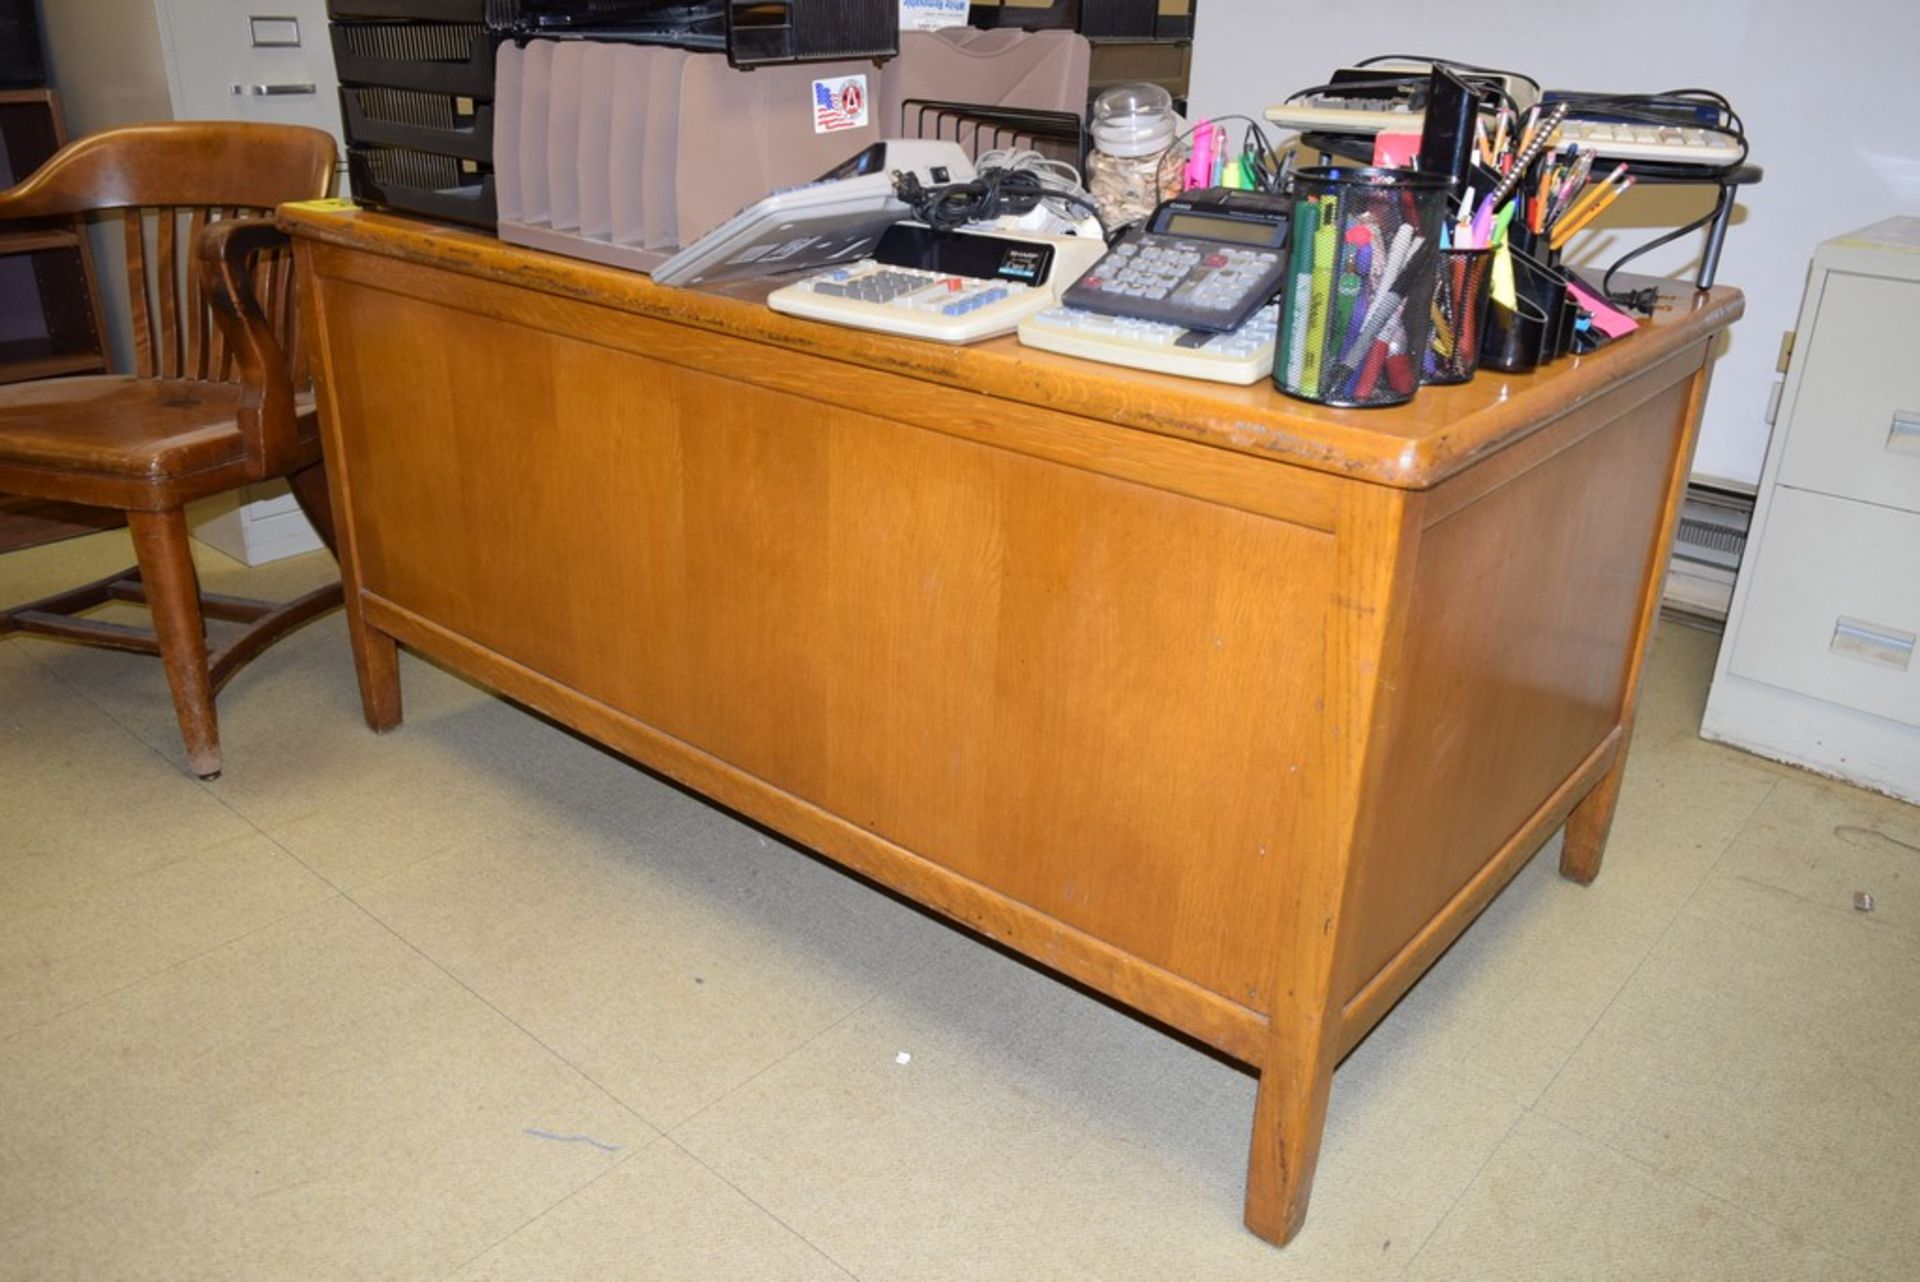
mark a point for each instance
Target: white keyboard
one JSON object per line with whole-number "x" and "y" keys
{"x": 1325, "y": 114}
{"x": 1242, "y": 356}
{"x": 904, "y": 300}
{"x": 1667, "y": 144}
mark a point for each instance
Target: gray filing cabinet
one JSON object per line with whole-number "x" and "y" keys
{"x": 1818, "y": 665}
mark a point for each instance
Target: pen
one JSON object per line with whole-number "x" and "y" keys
{"x": 1528, "y": 154}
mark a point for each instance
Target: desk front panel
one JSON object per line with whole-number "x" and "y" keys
{"x": 1088, "y": 693}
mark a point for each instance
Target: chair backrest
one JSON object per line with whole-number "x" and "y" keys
{"x": 170, "y": 181}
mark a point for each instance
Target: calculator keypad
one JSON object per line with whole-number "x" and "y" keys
{"x": 1194, "y": 284}
{"x": 932, "y": 292}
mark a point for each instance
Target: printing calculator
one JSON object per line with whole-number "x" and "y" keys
{"x": 946, "y": 286}
{"x": 1207, "y": 260}
{"x": 1242, "y": 356}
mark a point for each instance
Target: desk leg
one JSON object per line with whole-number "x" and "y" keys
{"x": 376, "y": 662}
{"x": 1376, "y": 542}
{"x": 1589, "y": 822}
{"x": 1289, "y": 1114}
{"x": 376, "y": 656}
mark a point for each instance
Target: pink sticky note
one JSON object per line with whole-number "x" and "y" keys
{"x": 1395, "y": 151}
{"x": 1607, "y": 318}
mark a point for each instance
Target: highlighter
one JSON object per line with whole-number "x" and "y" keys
{"x": 1300, "y": 280}
{"x": 1326, "y": 248}
{"x": 1200, "y": 157}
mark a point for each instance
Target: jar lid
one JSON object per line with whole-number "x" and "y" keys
{"x": 1134, "y": 120}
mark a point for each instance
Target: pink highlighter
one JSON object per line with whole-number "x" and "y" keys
{"x": 1200, "y": 157}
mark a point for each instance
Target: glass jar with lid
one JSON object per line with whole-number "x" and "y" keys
{"x": 1132, "y": 167}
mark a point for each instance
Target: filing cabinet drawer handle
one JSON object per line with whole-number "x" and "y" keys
{"x": 1904, "y": 436}
{"x": 1874, "y": 642}
{"x": 274, "y": 91}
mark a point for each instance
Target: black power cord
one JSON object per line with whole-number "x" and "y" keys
{"x": 1660, "y": 109}
{"x": 989, "y": 195}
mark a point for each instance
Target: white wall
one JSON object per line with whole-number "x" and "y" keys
{"x": 1830, "y": 93}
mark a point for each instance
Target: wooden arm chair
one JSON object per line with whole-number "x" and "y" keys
{"x": 208, "y": 409}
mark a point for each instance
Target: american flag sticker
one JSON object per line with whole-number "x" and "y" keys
{"x": 839, "y": 104}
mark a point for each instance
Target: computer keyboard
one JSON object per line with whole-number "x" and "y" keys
{"x": 1243, "y": 356}
{"x": 1610, "y": 140}
{"x": 1666, "y": 144}
{"x": 1334, "y": 114}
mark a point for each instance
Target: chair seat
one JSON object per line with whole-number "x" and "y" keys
{"x": 116, "y": 441}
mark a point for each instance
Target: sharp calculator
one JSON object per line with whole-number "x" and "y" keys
{"x": 1207, "y": 260}
{"x": 947, "y": 286}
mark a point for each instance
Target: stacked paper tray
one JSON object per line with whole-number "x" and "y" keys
{"x": 623, "y": 153}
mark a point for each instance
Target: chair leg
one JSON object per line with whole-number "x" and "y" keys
{"x": 173, "y": 593}
{"x": 309, "y": 486}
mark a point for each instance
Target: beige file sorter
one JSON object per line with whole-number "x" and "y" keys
{"x": 621, "y": 154}
{"x": 1038, "y": 70}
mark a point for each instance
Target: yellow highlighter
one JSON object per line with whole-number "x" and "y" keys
{"x": 1326, "y": 249}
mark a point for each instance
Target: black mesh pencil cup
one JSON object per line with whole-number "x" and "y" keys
{"x": 1459, "y": 308}
{"x": 1359, "y": 287}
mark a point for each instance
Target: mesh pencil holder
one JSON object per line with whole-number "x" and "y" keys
{"x": 1459, "y": 309}
{"x": 1359, "y": 284}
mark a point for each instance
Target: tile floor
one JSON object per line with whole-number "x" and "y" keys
{"x": 478, "y": 1000}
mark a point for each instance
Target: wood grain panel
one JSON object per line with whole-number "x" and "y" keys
{"x": 1236, "y": 709}
{"x": 1293, "y": 494}
{"x": 1521, "y": 630}
{"x": 1084, "y": 691}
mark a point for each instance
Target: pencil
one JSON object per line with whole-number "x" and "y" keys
{"x": 1589, "y": 196}
{"x": 1563, "y": 231}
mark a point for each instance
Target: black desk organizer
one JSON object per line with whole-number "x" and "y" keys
{"x": 416, "y": 101}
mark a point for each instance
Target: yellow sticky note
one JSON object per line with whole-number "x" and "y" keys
{"x": 1502, "y": 287}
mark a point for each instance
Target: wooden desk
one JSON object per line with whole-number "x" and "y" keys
{"x": 1235, "y": 709}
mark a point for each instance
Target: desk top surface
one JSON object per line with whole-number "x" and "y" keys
{"x": 1441, "y": 431}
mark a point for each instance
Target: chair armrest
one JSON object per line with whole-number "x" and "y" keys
{"x": 225, "y": 258}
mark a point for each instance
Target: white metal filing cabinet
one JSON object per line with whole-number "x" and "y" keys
{"x": 1818, "y": 666}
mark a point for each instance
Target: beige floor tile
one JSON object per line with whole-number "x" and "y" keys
{"x": 31, "y": 573}
{"x": 668, "y": 951}
{"x": 1673, "y": 691}
{"x": 313, "y": 1101}
{"x": 1826, "y": 841}
{"x": 357, "y": 806}
{"x": 86, "y": 803}
{"x": 1507, "y": 1005}
{"x": 659, "y": 1216}
{"x": 95, "y": 934}
{"x": 1764, "y": 1055}
{"x": 1552, "y": 1204}
{"x": 1036, "y": 1132}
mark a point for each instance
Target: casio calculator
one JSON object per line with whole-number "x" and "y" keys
{"x": 1206, "y": 260}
